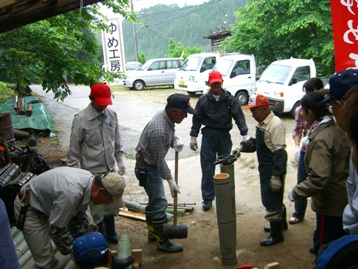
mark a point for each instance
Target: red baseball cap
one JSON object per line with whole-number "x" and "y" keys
{"x": 257, "y": 100}
{"x": 215, "y": 76}
{"x": 101, "y": 94}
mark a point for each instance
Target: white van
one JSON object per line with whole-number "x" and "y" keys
{"x": 154, "y": 72}
{"x": 193, "y": 73}
{"x": 282, "y": 82}
{"x": 239, "y": 75}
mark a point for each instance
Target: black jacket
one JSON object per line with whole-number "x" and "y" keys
{"x": 217, "y": 116}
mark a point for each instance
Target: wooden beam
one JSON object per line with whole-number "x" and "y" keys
{"x": 12, "y": 17}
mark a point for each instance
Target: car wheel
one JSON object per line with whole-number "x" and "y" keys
{"x": 242, "y": 97}
{"x": 138, "y": 85}
{"x": 293, "y": 110}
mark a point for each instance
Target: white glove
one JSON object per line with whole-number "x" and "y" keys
{"x": 275, "y": 183}
{"x": 121, "y": 166}
{"x": 246, "y": 137}
{"x": 296, "y": 153}
{"x": 173, "y": 187}
{"x": 290, "y": 196}
{"x": 193, "y": 143}
{"x": 178, "y": 145}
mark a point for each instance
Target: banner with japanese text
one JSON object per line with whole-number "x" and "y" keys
{"x": 345, "y": 33}
{"x": 113, "y": 48}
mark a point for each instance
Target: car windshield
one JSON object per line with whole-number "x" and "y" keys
{"x": 145, "y": 65}
{"x": 133, "y": 66}
{"x": 223, "y": 66}
{"x": 191, "y": 64}
{"x": 276, "y": 74}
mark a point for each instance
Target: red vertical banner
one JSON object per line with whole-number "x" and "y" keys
{"x": 113, "y": 48}
{"x": 345, "y": 33}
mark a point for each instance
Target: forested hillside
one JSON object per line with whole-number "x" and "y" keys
{"x": 188, "y": 25}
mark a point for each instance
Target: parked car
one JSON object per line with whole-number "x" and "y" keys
{"x": 154, "y": 72}
{"x": 282, "y": 82}
{"x": 133, "y": 66}
{"x": 194, "y": 71}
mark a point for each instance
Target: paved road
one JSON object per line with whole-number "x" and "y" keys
{"x": 133, "y": 115}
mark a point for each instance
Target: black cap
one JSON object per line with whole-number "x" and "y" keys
{"x": 180, "y": 101}
{"x": 340, "y": 83}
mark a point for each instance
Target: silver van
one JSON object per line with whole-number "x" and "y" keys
{"x": 155, "y": 72}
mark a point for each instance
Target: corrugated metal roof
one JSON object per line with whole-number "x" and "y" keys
{"x": 17, "y": 13}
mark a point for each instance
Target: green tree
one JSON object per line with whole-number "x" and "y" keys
{"x": 52, "y": 50}
{"x": 177, "y": 49}
{"x": 279, "y": 29}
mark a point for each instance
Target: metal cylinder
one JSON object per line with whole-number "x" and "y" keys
{"x": 226, "y": 218}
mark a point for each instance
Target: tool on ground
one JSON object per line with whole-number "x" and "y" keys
{"x": 175, "y": 230}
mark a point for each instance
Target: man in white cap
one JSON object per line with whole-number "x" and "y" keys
{"x": 53, "y": 206}
{"x": 270, "y": 147}
{"x": 96, "y": 145}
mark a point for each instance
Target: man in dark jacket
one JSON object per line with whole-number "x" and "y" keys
{"x": 215, "y": 110}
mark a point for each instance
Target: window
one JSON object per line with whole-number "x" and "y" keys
{"x": 302, "y": 73}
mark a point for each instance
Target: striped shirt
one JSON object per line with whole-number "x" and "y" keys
{"x": 155, "y": 141}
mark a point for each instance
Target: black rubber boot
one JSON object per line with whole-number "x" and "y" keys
{"x": 102, "y": 229}
{"x": 284, "y": 221}
{"x": 121, "y": 263}
{"x": 110, "y": 225}
{"x": 275, "y": 236}
{"x": 151, "y": 235}
{"x": 165, "y": 244}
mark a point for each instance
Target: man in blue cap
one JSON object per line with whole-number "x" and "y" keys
{"x": 339, "y": 85}
{"x": 92, "y": 251}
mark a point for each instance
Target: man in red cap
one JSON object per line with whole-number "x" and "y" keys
{"x": 215, "y": 110}
{"x": 96, "y": 145}
{"x": 269, "y": 145}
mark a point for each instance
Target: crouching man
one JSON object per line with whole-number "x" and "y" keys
{"x": 269, "y": 145}
{"x": 53, "y": 206}
{"x": 92, "y": 251}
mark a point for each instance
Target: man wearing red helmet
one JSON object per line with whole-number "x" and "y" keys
{"x": 96, "y": 145}
{"x": 215, "y": 110}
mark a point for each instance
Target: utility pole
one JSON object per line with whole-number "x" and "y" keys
{"x": 135, "y": 37}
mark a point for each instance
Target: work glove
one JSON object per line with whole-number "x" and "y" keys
{"x": 173, "y": 187}
{"x": 237, "y": 152}
{"x": 193, "y": 143}
{"x": 290, "y": 196}
{"x": 275, "y": 183}
{"x": 121, "y": 166}
{"x": 296, "y": 153}
{"x": 248, "y": 145}
{"x": 178, "y": 145}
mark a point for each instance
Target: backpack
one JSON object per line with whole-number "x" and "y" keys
{"x": 341, "y": 253}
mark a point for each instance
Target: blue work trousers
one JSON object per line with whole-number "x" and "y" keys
{"x": 157, "y": 201}
{"x": 211, "y": 147}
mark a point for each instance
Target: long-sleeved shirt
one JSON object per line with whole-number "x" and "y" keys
{"x": 155, "y": 141}
{"x": 301, "y": 127}
{"x": 60, "y": 193}
{"x": 95, "y": 141}
{"x": 217, "y": 115}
